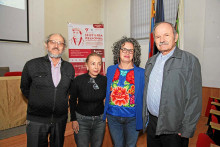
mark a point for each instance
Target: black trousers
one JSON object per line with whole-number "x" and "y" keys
{"x": 165, "y": 140}
{"x": 38, "y": 133}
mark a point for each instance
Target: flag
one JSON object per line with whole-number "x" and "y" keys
{"x": 156, "y": 19}
{"x": 152, "y": 22}
{"x": 179, "y": 25}
{"x": 159, "y": 12}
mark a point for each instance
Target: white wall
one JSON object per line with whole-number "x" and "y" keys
{"x": 59, "y": 12}
{"x": 15, "y": 55}
{"x": 144, "y": 52}
{"x": 202, "y": 37}
{"x": 211, "y": 55}
{"x": 117, "y": 24}
{"x": 194, "y": 27}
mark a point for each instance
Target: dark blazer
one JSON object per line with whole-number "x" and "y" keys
{"x": 46, "y": 103}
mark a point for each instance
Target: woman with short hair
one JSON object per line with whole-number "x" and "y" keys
{"x": 87, "y": 93}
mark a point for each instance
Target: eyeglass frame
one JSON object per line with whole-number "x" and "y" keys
{"x": 125, "y": 50}
{"x": 54, "y": 42}
{"x": 95, "y": 85}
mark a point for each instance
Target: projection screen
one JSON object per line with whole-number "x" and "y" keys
{"x": 14, "y": 20}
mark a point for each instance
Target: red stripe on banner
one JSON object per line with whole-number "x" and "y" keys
{"x": 79, "y": 53}
{"x": 99, "y": 51}
{"x": 98, "y": 25}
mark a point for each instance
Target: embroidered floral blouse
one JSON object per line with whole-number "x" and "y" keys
{"x": 122, "y": 98}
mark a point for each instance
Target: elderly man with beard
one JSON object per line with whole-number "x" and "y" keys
{"x": 45, "y": 83}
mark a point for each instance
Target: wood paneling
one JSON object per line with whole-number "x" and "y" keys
{"x": 206, "y": 93}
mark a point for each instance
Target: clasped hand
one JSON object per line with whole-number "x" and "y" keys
{"x": 75, "y": 126}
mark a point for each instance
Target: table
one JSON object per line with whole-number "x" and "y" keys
{"x": 13, "y": 105}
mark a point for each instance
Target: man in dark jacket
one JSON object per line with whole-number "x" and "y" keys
{"x": 172, "y": 98}
{"x": 45, "y": 83}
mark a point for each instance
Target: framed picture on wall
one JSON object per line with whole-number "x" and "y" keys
{"x": 14, "y": 25}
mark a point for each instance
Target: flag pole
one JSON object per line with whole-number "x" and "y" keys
{"x": 151, "y": 40}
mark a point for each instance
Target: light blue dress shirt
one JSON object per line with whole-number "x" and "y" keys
{"x": 155, "y": 84}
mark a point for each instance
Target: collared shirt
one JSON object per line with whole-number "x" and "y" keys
{"x": 155, "y": 84}
{"x": 55, "y": 70}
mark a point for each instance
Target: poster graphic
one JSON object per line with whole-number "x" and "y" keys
{"x": 83, "y": 40}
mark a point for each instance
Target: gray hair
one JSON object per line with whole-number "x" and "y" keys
{"x": 157, "y": 24}
{"x": 48, "y": 38}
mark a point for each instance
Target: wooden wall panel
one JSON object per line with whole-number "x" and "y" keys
{"x": 206, "y": 93}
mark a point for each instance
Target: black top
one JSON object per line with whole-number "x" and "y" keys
{"x": 90, "y": 100}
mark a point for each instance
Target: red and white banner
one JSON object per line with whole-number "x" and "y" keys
{"x": 83, "y": 40}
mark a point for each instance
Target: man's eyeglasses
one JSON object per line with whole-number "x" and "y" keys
{"x": 53, "y": 42}
{"x": 125, "y": 50}
{"x": 95, "y": 86}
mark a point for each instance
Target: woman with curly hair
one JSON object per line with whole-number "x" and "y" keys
{"x": 125, "y": 85}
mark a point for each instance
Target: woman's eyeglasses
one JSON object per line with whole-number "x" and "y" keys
{"x": 125, "y": 50}
{"x": 95, "y": 86}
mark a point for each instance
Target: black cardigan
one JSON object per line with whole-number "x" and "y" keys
{"x": 90, "y": 101}
{"x": 46, "y": 103}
